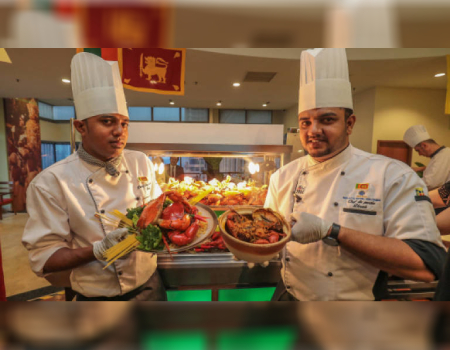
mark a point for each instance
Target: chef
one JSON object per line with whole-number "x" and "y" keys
{"x": 354, "y": 213}
{"x": 438, "y": 170}
{"x": 62, "y": 232}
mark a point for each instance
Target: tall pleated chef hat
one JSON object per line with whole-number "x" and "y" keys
{"x": 324, "y": 80}
{"x": 415, "y": 135}
{"x": 96, "y": 86}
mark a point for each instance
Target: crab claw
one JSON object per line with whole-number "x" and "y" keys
{"x": 152, "y": 212}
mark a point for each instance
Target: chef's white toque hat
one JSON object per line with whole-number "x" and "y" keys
{"x": 96, "y": 86}
{"x": 415, "y": 135}
{"x": 324, "y": 80}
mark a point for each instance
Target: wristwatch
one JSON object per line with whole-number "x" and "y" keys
{"x": 332, "y": 238}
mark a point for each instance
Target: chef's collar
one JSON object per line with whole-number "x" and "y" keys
{"x": 110, "y": 166}
{"x": 333, "y": 162}
{"x": 437, "y": 151}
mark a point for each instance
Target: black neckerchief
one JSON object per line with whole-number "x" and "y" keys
{"x": 437, "y": 151}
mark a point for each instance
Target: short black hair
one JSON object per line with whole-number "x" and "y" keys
{"x": 430, "y": 141}
{"x": 348, "y": 112}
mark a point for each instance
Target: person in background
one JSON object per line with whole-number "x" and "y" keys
{"x": 441, "y": 199}
{"x": 357, "y": 217}
{"x": 62, "y": 232}
{"x": 438, "y": 170}
{"x": 174, "y": 170}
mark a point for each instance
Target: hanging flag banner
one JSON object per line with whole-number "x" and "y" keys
{"x": 447, "y": 96}
{"x": 132, "y": 24}
{"x": 4, "y": 56}
{"x": 155, "y": 70}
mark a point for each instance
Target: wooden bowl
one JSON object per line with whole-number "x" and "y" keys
{"x": 256, "y": 253}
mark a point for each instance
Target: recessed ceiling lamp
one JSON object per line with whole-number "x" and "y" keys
{"x": 236, "y": 84}
{"x": 439, "y": 75}
{"x": 219, "y": 103}
{"x": 265, "y": 104}
{"x": 67, "y": 81}
{"x": 171, "y": 102}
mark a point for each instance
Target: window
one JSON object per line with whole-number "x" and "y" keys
{"x": 62, "y": 151}
{"x": 52, "y": 152}
{"x": 45, "y": 110}
{"x": 140, "y": 113}
{"x": 232, "y": 116}
{"x": 63, "y": 112}
{"x": 241, "y": 116}
{"x": 199, "y": 115}
{"x": 47, "y": 154}
{"x": 166, "y": 114}
{"x": 259, "y": 117}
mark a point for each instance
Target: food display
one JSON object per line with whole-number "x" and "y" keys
{"x": 168, "y": 223}
{"x": 263, "y": 226}
{"x": 219, "y": 193}
{"x": 254, "y": 235}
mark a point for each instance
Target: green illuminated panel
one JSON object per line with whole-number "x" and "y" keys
{"x": 257, "y": 339}
{"x": 175, "y": 340}
{"x": 251, "y": 294}
{"x": 189, "y": 295}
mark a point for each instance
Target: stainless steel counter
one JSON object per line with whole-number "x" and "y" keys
{"x": 214, "y": 269}
{"x": 219, "y": 271}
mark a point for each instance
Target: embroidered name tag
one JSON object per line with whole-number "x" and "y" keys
{"x": 359, "y": 211}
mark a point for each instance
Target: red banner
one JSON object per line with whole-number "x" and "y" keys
{"x": 153, "y": 70}
{"x": 138, "y": 24}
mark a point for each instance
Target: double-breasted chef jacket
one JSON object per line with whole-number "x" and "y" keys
{"x": 438, "y": 170}
{"x": 62, "y": 201}
{"x": 357, "y": 190}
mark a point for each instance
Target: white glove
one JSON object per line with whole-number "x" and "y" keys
{"x": 251, "y": 265}
{"x": 111, "y": 239}
{"x": 308, "y": 228}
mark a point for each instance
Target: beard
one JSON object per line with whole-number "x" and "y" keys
{"x": 319, "y": 147}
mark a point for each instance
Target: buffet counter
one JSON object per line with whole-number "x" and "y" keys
{"x": 209, "y": 270}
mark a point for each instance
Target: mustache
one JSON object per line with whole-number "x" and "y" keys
{"x": 316, "y": 139}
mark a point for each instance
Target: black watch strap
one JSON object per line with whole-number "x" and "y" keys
{"x": 334, "y": 233}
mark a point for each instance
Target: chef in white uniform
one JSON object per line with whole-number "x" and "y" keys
{"x": 355, "y": 213}
{"x": 438, "y": 170}
{"x": 62, "y": 232}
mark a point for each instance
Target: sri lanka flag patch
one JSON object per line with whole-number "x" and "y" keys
{"x": 362, "y": 186}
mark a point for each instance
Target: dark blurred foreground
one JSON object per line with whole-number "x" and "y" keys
{"x": 258, "y": 326}
{"x": 224, "y": 23}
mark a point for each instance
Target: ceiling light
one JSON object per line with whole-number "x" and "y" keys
{"x": 236, "y": 84}
{"x": 219, "y": 103}
{"x": 264, "y": 105}
{"x": 67, "y": 81}
{"x": 171, "y": 102}
{"x": 439, "y": 75}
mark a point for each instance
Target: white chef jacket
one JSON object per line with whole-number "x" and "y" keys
{"x": 62, "y": 201}
{"x": 357, "y": 190}
{"x": 437, "y": 172}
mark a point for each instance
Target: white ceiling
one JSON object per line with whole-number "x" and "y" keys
{"x": 209, "y": 75}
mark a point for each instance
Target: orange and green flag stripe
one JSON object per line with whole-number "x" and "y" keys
{"x": 109, "y": 54}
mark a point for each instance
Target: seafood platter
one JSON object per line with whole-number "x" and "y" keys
{"x": 254, "y": 234}
{"x": 167, "y": 224}
{"x": 219, "y": 193}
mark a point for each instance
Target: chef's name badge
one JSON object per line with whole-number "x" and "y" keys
{"x": 362, "y": 197}
{"x": 143, "y": 182}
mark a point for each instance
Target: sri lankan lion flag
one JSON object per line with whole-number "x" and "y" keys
{"x": 148, "y": 69}
{"x": 155, "y": 70}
